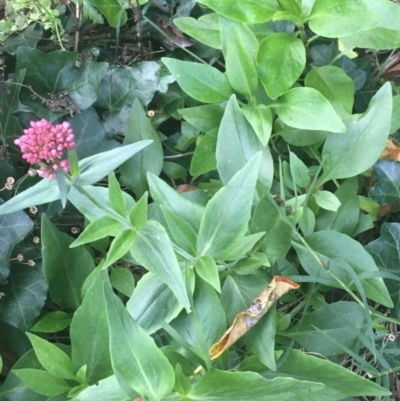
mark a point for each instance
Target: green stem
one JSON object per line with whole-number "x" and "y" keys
{"x": 348, "y": 290}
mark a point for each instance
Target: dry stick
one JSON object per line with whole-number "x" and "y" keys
{"x": 78, "y": 18}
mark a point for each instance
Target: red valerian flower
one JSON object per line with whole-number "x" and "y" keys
{"x": 44, "y": 144}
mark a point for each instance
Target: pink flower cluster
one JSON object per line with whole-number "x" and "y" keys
{"x": 44, "y": 144}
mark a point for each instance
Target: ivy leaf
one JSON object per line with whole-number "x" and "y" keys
{"x": 29, "y": 37}
{"x": 65, "y": 268}
{"x": 385, "y": 251}
{"x": 122, "y": 85}
{"x": 387, "y": 176}
{"x": 25, "y": 295}
{"x": 90, "y": 135}
{"x": 13, "y": 229}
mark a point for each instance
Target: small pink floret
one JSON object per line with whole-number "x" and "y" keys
{"x": 44, "y": 142}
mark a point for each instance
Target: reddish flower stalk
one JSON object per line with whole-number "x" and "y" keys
{"x": 44, "y": 144}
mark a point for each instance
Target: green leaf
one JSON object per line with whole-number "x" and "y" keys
{"x": 44, "y": 71}
{"x": 205, "y": 118}
{"x": 44, "y": 191}
{"x": 211, "y": 318}
{"x": 174, "y": 171}
{"x": 227, "y": 214}
{"x": 137, "y": 362}
{"x": 42, "y": 382}
{"x": 249, "y": 11}
{"x": 346, "y": 218}
{"x": 327, "y": 200}
{"x": 182, "y": 383}
{"x": 280, "y": 62}
{"x": 385, "y": 251}
{"x": 108, "y": 389}
{"x": 238, "y": 292}
{"x": 122, "y": 279}
{"x": 306, "y": 108}
{"x": 328, "y": 245}
{"x": 82, "y": 83}
{"x": 237, "y": 143}
{"x": 387, "y": 187}
{"x": 204, "y": 158}
{"x": 89, "y": 332}
{"x": 269, "y": 218}
{"x": 349, "y": 154}
{"x": 13, "y": 388}
{"x": 153, "y": 250}
{"x": 91, "y": 136}
{"x": 112, "y": 10}
{"x": 99, "y": 228}
{"x": 207, "y": 269}
{"x": 260, "y": 118}
{"x": 28, "y": 37}
{"x": 139, "y": 212}
{"x": 385, "y": 34}
{"x": 13, "y": 228}
{"x": 299, "y": 171}
{"x": 52, "y": 322}
{"x": 239, "y": 45}
{"x": 341, "y": 18}
{"x": 9, "y": 103}
{"x": 249, "y": 264}
{"x": 120, "y": 246}
{"x": 25, "y": 295}
{"x": 205, "y": 29}
{"x": 96, "y": 167}
{"x": 239, "y": 386}
{"x": 245, "y": 246}
{"x": 164, "y": 195}
{"x": 335, "y": 85}
{"x": 134, "y": 170}
{"x": 201, "y": 82}
{"x": 181, "y": 231}
{"x": 115, "y": 196}
{"x": 341, "y": 321}
{"x": 153, "y": 302}
{"x": 339, "y": 382}
{"x": 395, "y": 124}
{"x": 255, "y": 339}
{"x": 52, "y": 358}
{"x": 65, "y": 269}
{"x": 122, "y": 85}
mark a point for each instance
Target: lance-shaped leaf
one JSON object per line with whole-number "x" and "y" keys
{"x": 153, "y": 250}
{"x": 137, "y": 362}
{"x": 225, "y": 220}
{"x": 248, "y": 318}
{"x": 93, "y": 169}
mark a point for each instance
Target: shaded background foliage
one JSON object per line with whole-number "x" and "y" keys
{"x": 109, "y": 82}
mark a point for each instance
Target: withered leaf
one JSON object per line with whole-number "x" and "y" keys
{"x": 245, "y": 320}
